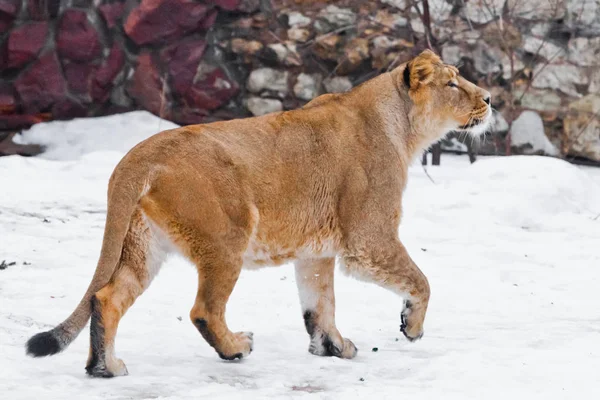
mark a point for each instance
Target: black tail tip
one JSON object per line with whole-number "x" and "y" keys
{"x": 43, "y": 344}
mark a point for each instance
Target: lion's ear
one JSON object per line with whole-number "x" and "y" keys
{"x": 420, "y": 70}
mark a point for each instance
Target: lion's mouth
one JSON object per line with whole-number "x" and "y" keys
{"x": 478, "y": 123}
{"x": 473, "y": 122}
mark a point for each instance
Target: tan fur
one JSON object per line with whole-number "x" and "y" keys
{"x": 310, "y": 185}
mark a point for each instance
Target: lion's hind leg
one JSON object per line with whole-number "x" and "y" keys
{"x": 315, "y": 285}
{"x": 217, "y": 275}
{"x": 142, "y": 255}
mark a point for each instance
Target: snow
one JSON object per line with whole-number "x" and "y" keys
{"x": 510, "y": 247}
{"x": 68, "y": 140}
{"x": 528, "y": 130}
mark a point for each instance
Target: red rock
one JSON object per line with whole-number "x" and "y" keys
{"x": 182, "y": 61}
{"x": 3, "y": 54}
{"x": 146, "y": 87}
{"x": 188, "y": 116}
{"x": 43, "y": 9}
{"x": 209, "y": 20}
{"x": 111, "y": 13}
{"x": 68, "y": 109}
{"x": 8, "y": 12}
{"x": 148, "y": 23}
{"x": 77, "y": 39}
{"x": 108, "y": 71}
{"x": 24, "y": 43}
{"x": 20, "y": 121}
{"x": 211, "y": 90}
{"x": 8, "y": 104}
{"x": 79, "y": 77}
{"x": 41, "y": 85}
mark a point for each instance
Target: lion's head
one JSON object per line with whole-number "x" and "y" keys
{"x": 443, "y": 98}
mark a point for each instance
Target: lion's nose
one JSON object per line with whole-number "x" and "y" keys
{"x": 487, "y": 97}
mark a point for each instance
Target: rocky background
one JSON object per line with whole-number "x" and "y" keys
{"x": 194, "y": 61}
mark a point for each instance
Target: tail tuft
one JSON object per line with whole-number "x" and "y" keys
{"x": 43, "y": 344}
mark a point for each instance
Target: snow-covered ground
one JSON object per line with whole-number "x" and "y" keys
{"x": 511, "y": 247}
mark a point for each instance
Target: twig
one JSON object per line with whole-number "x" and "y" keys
{"x": 427, "y": 173}
{"x": 333, "y": 32}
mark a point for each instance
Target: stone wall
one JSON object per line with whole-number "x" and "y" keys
{"x": 195, "y": 61}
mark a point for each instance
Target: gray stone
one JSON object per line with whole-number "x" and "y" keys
{"x": 337, "y": 17}
{"x": 482, "y": 11}
{"x": 492, "y": 60}
{"x": 544, "y": 48}
{"x": 390, "y": 19}
{"x": 297, "y": 20}
{"x": 527, "y": 133}
{"x": 439, "y": 9}
{"x": 260, "y": 106}
{"x": 537, "y": 10}
{"x": 286, "y": 53}
{"x": 400, "y": 4}
{"x": 584, "y": 51}
{"x": 268, "y": 78}
{"x": 469, "y": 36}
{"x": 582, "y": 127}
{"x": 507, "y": 70}
{"x": 337, "y": 84}
{"x": 487, "y": 59}
{"x": 307, "y": 86}
{"x": 452, "y": 54}
{"x": 398, "y": 21}
{"x": 561, "y": 77}
{"x": 540, "y": 100}
{"x": 384, "y": 42}
{"x": 541, "y": 29}
{"x": 417, "y": 25}
{"x": 583, "y": 16}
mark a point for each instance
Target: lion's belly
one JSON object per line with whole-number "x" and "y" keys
{"x": 259, "y": 255}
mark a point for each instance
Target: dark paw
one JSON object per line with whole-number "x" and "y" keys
{"x": 237, "y": 356}
{"x": 99, "y": 372}
{"x": 99, "y": 369}
{"x": 322, "y": 345}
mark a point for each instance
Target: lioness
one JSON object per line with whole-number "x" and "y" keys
{"x": 308, "y": 185}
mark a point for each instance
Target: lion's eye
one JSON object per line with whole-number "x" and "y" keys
{"x": 452, "y": 84}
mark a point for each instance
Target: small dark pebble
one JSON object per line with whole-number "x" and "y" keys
{"x": 375, "y": 350}
{"x": 26, "y": 263}
{"x": 423, "y": 249}
{"x": 46, "y": 220}
{"x": 4, "y": 265}
{"x": 179, "y": 318}
{"x": 362, "y": 379}
{"x": 397, "y": 339}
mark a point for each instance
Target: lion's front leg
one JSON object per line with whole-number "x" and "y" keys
{"x": 315, "y": 286}
{"x": 388, "y": 264}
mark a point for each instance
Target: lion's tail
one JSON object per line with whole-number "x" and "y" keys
{"x": 124, "y": 192}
